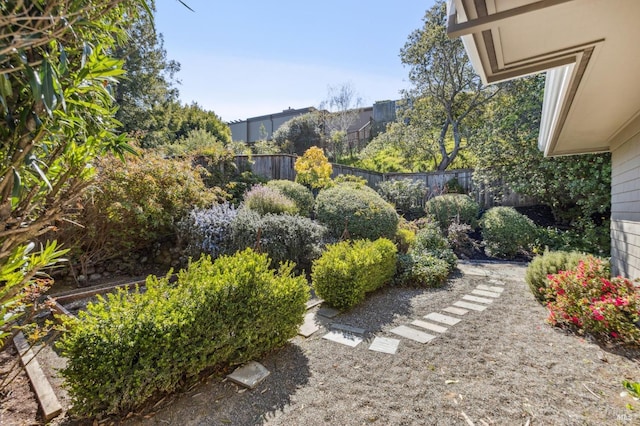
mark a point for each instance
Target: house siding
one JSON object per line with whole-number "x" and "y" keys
{"x": 625, "y": 208}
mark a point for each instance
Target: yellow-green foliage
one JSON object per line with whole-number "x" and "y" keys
{"x": 131, "y": 346}
{"x": 313, "y": 168}
{"x": 507, "y": 233}
{"x": 348, "y": 270}
{"x": 405, "y": 239}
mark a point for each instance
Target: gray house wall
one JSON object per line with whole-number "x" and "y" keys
{"x": 249, "y": 130}
{"x": 625, "y": 208}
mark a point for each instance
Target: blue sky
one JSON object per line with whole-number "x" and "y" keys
{"x": 246, "y": 58}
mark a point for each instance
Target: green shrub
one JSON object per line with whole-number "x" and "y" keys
{"x": 449, "y": 208}
{"x": 300, "y": 194}
{"x": 264, "y": 200}
{"x": 429, "y": 240}
{"x": 133, "y": 346}
{"x": 208, "y": 231}
{"x": 584, "y": 236}
{"x": 405, "y": 239}
{"x": 460, "y": 241}
{"x": 422, "y": 269}
{"x": 363, "y": 213}
{"x": 406, "y": 195}
{"x": 283, "y": 237}
{"x": 353, "y": 180}
{"x": 133, "y": 204}
{"x": 348, "y": 270}
{"x": 551, "y": 262}
{"x": 587, "y": 300}
{"x": 507, "y": 233}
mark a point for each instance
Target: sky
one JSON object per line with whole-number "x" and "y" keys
{"x": 247, "y": 58}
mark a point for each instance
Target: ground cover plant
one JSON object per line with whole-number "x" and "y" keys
{"x": 132, "y": 346}
{"x": 586, "y": 299}
{"x": 346, "y": 271}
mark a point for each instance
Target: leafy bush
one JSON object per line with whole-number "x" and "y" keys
{"x": 453, "y": 186}
{"x": 404, "y": 239}
{"x": 507, "y": 233}
{"x": 449, "y": 208}
{"x": 348, "y": 270}
{"x": 263, "y": 200}
{"x": 282, "y": 237}
{"x": 208, "y": 230}
{"x": 429, "y": 261}
{"x": 459, "y": 240}
{"x": 422, "y": 269}
{"x": 133, "y": 346}
{"x": 584, "y": 236}
{"x": 406, "y": 194}
{"x": 313, "y": 168}
{"x": 239, "y": 184}
{"x": 300, "y": 194}
{"x": 133, "y": 204}
{"x": 356, "y": 181}
{"x": 587, "y": 300}
{"x": 551, "y": 262}
{"x": 363, "y": 213}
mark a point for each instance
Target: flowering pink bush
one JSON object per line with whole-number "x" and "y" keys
{"x": 584, "y": 298}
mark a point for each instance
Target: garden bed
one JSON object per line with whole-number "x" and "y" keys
{"x": 500, "y": 366}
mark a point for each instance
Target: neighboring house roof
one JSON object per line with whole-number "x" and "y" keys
{"x": 591, "y": 49}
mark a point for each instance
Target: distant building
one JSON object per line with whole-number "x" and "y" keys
{"x": 373, "y": 118}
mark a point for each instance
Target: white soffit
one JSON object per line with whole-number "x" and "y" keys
{"x": 590, "y": 48}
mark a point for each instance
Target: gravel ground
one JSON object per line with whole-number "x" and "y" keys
{"x": 502, "y": 366}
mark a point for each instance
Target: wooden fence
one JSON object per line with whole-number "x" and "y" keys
{"x": 281, "y": 166}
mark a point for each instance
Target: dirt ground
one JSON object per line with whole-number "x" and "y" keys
{"x": 502, "y": 366}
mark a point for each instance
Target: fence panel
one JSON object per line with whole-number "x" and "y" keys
{"x": 281, "y": 166}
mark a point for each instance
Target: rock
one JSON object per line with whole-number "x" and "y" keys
{"x": 144, "y": 259}
{"x": 82, "y": 278}
{"x": 95, "y": 276}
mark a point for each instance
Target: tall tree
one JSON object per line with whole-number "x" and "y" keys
{"x": 343, "y": 103}
{"x": 576, "y": 188}
{"x": 300, "y": 133}
{"x": 145, "y": 95}
{"x": 447, "y": 97}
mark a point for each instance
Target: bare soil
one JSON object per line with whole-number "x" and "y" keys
{"x": 502, "y": 366}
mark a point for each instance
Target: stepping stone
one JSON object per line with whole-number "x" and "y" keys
{"x": 328, "y": 312}
{"x": 494, "y": 281}
{"x": 471, "y": 306}
{"x": 249, "y": 375}
{"x": 454, "y": 310}
{"x": 343, "y": 338}
{"x": 348, "y": 329}
{"x": 477, "y": 299}
{"x": 445, "y": 319}
{"x": 413, "y": 334}
{"x": 385, "y": 344}
{"x": 309, "y": 326}
{"x": 429, "y": 326}
{"x": 485, "y": 293}
{"x": 313, "y": 302}
{"x": 490, "y": 288}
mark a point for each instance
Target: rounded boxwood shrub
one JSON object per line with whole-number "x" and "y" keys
{"x": 429, "y": 240}
{"x": 264, "y": 200}
{"x": 283, "y": 237}
{"x": 551, "y": 262}
{"x": 449, "y": 208}
{"x": 300, "y": 194}
{"x": 362, "y": 212}
{"x": 507, "y": 233}
{"x": 346, "y": 271}
{"x": 133, "y": 346}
